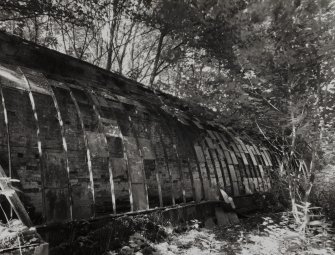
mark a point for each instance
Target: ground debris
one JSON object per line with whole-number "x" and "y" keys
{"x": 15, "y": 234}
{"x": 258, "y": 234}
{"x": 261, "y": 234}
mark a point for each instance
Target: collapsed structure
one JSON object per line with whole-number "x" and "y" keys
{"x": 85, "y": 142}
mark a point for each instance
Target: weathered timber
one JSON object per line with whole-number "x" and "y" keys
{"x": 85, "y": 142}
{"x": 14, "y": 199}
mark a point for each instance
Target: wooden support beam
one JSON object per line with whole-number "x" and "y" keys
{"x": 255, "y": 166}
{"x": 174, "y": 145}
{"x": 134, "y": 131}
{"x": 199, "y": 171}
{"x": 245, "y": 166}
{"x": 168, "y": 167}
{"x": 96, "y": 109}
{"x": 210, "y": 167}
{"x": 88, "y": 153}
{"x": 14, "y": 199}
{"x": 64, "y": 144}
{"x": 159, "y": 186}
{"x": 7, "y": 130}
{"x": 211, "y": 156}
{"x": 225, "y": 160}
{"x": 181, "y": 136}
{"x": 9, "y": 152}
{"x": 39, "y": 142}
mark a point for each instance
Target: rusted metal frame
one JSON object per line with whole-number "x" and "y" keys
{"x": 130, "y": 187}
{"x": 277, "y": 157}
{"x": 229, "y": 162}
{"x": 262, "y": 170}
{"x": 96, "y": 109}
{"x": 244, "y": 150}
{"x": 252, "y": 170}
{"x": 190, "y": 169}
{"x": 174, "y": 145}
{"x": 266, "y": 169}
{"x": 225, "y": 161}
{"x": 157, "y": 173}
{"x": 159, "y": 186}
{"x": 275, "y": 160}
{"x": 220, "y": 156}
{"x": 88, "y": 152}
{"x": 230, "y": 166}
{"x": 200, "y": 157}
{"x": 199, "y": 172}
{"x": 14, "y": 199}
{"x": 257, "y": 154}
{"x": 263, "y": 157}
{"x": 253, "y": 152}
{"x": 39, "y": 142}
{"x": 191, "y": 174}
{"x": 232, "y": 144}
{"x": 134, "y": 131}
{"x": 198, "y": 166}
{"x": 9, "y": 151}
{"x": 256, "y": 149}
{"x": 125, "y": 155}
{"x": 229, "y": 153}
{"x": 239, "y": 171}
{"x": 213, "y": 164}
{"x": 254, "y": 166}
{"x": 64, "y": 144}
{"x": 245, "y": 161}
{"x": 219, "y": 168}
{"x": 192, "y": 180}
{"x": 206, "y": 165}
{"x": 268, "y": 157}
{"x": 212, "y": 182}
{"x": 237, "y": 148}
{"x": 168, "y": 167}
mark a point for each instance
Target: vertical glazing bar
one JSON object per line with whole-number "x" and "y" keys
{"x": 168, "y": 167}
{"x": 7, "y": 132}
{"x": 8, "y": 137}
{"x": 199, "y": 172}
{"x": 64, "y": 144}
{"x": 96, "y": 110}
{"x": 88, "y": 153}
{"x": 159, "y": 186}
{"x": 39, "y": 143}
{"x": 179, "y": 163}
{"x": 134, "y": 131}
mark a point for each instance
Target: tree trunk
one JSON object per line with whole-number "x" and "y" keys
{"x": 157, "y": 57}
{"x": 112, "y": 34}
